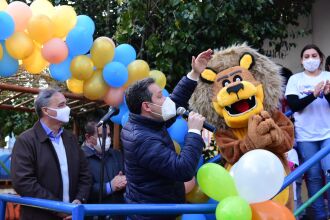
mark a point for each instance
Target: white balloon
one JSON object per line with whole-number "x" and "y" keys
{"x": 258, "y": 175}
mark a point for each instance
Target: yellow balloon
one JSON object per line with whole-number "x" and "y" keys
{"x": 102, "y": 52}
{"x": 19, "y": 45}
{"x": 3, "y": 5}
{"x": 64, "y": 19}
{"x": 159, "y": 78}
{"x": 82, "y": 67}
{"x": 196, "y": 195}
{"x": 283, "y": 197}
{"x": 138, "y": 69}
{"x": 95, "y": 87}
{"x": 35, "y": 63}
{"x": 40, "y": 28}
{"x": 75, "y": 86}
{"x": 43, "y": 7}
{"x": 1, "y": 52}
{"x": 177, "y": 147}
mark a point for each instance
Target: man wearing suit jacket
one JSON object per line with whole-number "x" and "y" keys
{"x": 47, "y": 161}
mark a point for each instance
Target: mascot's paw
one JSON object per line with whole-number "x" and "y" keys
{"x": 260, "y": 129}
{"x": 276, "y": 135}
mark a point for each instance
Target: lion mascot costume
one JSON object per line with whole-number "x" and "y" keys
{"x": 239, "y": 93}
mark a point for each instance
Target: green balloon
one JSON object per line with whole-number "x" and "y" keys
{"x": 233, "y": 208}
{"x": 216, "y": 182}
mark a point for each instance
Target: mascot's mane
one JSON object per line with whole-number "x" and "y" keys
{"x": 264, "y": 70}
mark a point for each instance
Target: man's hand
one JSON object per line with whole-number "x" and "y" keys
{"x": 195, "y": 121}
{"x": 118, "y": 182}
{"x": 199, "y": 64}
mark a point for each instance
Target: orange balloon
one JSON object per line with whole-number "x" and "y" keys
{"x": 270, "y": 210}
{"x": 19, "y": 45}
{"x": 75, "y": 86}
{"x": 35, "y": 63}
{"x": 196, "y": 195}
{"x": 40, "y": 28}
{"x": 55, "y": 51}
{"x": 138, "y": 69}
{"x": 95, "y": 87}
{"x": 114, "y": 96}
{"x": 21, "y": 14}
{"x": 189, "y": 185}
{"x": 64, "y": 19}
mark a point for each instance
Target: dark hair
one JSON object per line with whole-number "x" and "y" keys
{"x": 138, "y": 93}
{"x": 313, "y": 46}
{"x": 327, "y": 64}
{"x": 43, "y": 99}
{"x": 90, "y": 128}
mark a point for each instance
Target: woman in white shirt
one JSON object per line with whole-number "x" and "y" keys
{"x": 308, "y": 97}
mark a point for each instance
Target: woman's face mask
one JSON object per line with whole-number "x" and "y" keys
{"x": 311, "y": 64}
{"x": 168, "y": 109}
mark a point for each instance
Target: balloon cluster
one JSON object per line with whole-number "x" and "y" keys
{"x": 42, "y": 36}
{"x": 245, "y": 192}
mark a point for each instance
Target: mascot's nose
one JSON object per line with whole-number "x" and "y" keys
{"x": 235, "y": 88}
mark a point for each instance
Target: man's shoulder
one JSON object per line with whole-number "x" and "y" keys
{"x": 27, "y": 134}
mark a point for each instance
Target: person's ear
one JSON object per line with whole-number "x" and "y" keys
{"x": 44, "y": 111}
{"x": 145, "y": 107}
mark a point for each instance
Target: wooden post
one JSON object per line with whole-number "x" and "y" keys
{"x": 116, "y": 136}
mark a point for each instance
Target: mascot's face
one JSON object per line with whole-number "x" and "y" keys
{"x": 236, "y": 93}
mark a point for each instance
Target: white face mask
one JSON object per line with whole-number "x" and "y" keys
{"x": 311, "y": 64}
{"x": 107, "y": 144}
{"x": 62, "y": 114}
{"x": 168, "y": 109}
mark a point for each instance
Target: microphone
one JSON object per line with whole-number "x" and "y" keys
{"x": 185, "y": 113}
{"x": 111, "y": 112}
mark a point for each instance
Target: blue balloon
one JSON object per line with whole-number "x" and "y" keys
{"x": 61, "y": 71}
{"x": 193, "y": 217}
{"x": 7, "y": 25}
{"x": 122, "y": 111}
{"x": 87, "y": 23}
{"x": 124, "y": 119}
{"x": 115, "y": 74}
{"x": 79, "y": 41}
{"x": 165, "y": 93}
{"x": 8, "y": 65}
{"x": 125, "y": 54}
{"x": 178, "y": 130}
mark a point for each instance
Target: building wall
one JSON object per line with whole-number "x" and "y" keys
{"x": 319, "y": 23}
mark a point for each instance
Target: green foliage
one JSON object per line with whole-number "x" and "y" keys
{"x": 168, "y": 33}
{"x": 17, "y": 122}
{"x": 103, "y": 13}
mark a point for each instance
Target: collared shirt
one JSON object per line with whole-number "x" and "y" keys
{"x": 50, "y": 133}
{"x": 61, "y": 155}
